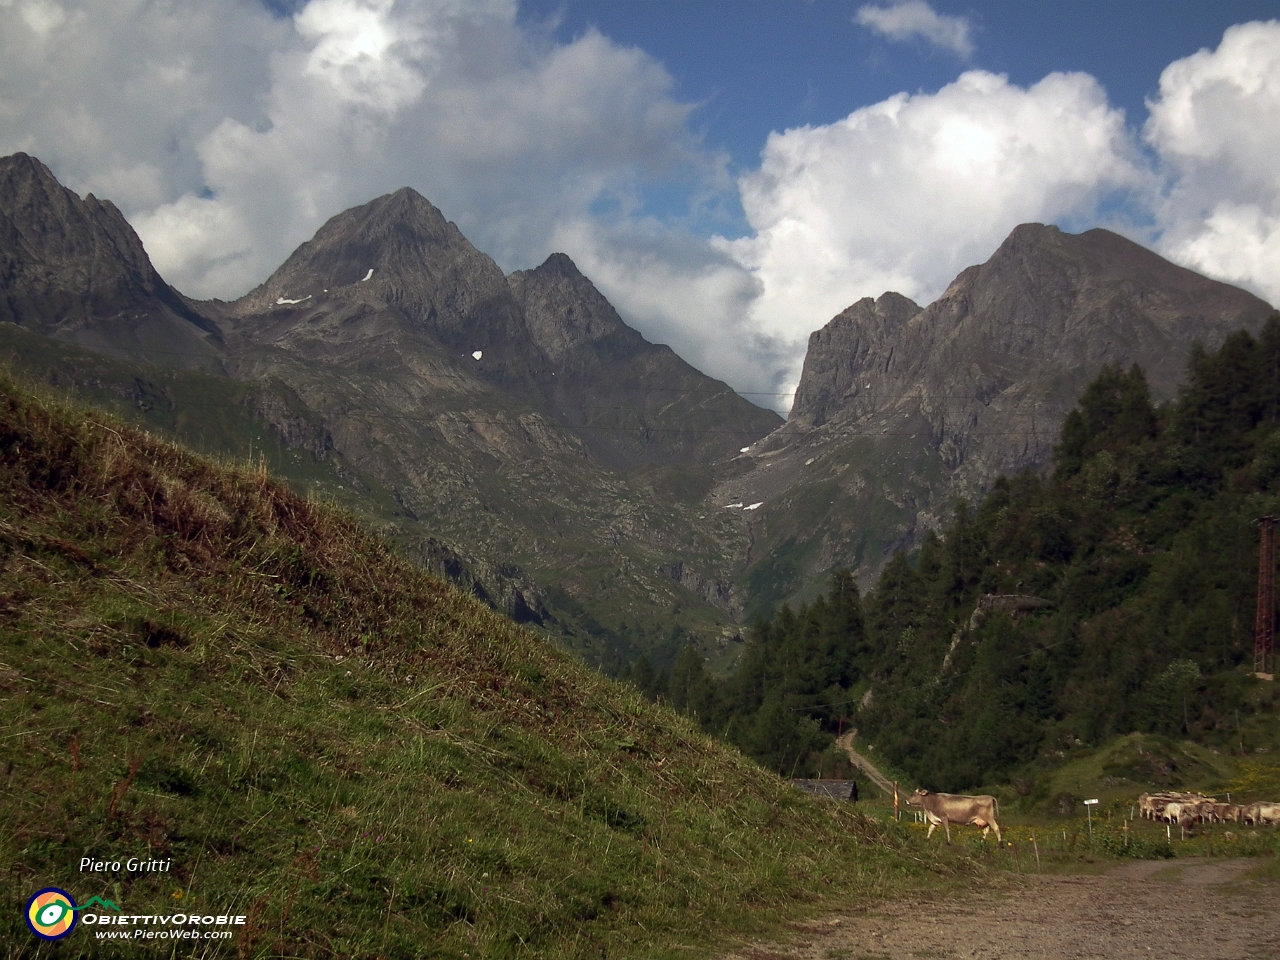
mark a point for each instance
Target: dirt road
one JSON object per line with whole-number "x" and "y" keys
{"x": 864, "y": 763}
{"x": 1206, "y": 910}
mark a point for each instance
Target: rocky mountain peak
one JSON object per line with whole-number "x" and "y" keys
{"x": 398, "y": 246}
{"x": 391, "y": 269}
{"x": 902, "y": 410}
{"x": 837, "y": 353}
{"x": 75, "y": 269}
{"x": 565, "y": 313}
{"x": 45, "y": 222}
{"x": 560, "y": 265}
{"x": 634, "y": 401}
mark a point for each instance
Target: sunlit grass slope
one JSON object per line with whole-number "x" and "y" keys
{"x": 199, "y": 665}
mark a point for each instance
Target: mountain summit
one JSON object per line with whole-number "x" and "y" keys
{"x": 393, "y": 278}
{"x": 633, "y": 401}
{"x": 74, "y": 269}
{"x": 901, "y": 410}
{"x": 391, "y": 273}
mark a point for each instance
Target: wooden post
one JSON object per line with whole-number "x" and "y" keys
{"x": 895, "y": 800}
{"x": 1036, "y": 847}
{"x": 1264, "y": 650}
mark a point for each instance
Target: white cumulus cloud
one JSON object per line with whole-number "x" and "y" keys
{"x": 1216, "y": 127}
{"x": 904, "y": 194}
{"x": 909, "y": 19}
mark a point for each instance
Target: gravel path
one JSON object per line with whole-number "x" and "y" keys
{"x": 864, "y": 763}
{"x": 1206, "y": 910}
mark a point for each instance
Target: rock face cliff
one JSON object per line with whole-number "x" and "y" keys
{"x": 74, "y": 269}
{"x": 632, "y": 401}
{"x": 901, "y": 410}
{"x": 841, "y": 354}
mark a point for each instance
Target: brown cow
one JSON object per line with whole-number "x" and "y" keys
{"x": 1268, "y": 813}
{"x": 1226, "y": 812}
{"x": 949, "y": 808}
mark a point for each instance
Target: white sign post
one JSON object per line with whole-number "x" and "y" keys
{"x": 1088, "y": 809}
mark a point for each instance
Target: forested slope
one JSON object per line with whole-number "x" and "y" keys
{"x": 1134, "y": 568}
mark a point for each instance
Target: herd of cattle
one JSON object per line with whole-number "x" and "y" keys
{"x": 1189, "y": 808}
{"x": 1184, "y": 809}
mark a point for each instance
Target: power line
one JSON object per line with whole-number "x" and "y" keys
{"x": 879, "y": 395}
{"x": 143, "y": 360}
{"x": 1040, "y": 648}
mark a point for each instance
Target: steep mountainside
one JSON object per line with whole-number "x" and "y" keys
{"x": 498, "y": 411}
{"x": 74, "y": 269}
{"x": 592, "y": 480}
{"x": 1110, "y": 603}
{"x": 1116, "y": 596}
{"x": 901, "y": 410}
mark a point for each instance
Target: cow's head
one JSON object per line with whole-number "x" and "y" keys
{"x": 917, "y": 798}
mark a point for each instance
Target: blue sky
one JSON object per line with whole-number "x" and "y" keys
{"x": 730, "y": 174}
{"x": 755, "y": 67}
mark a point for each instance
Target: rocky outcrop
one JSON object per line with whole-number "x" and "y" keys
{"x": 718, "y": 593}
{"x": 632, "y": 401}
{"x": 289, "y": 419}
{"x": 1016, "y": 605}
{"x": 504, "y": 587}
{"x": 863, "y": 336}
{"x": 74, "y": 269}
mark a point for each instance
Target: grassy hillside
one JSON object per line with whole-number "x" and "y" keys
{"x": 201, "y": 666}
